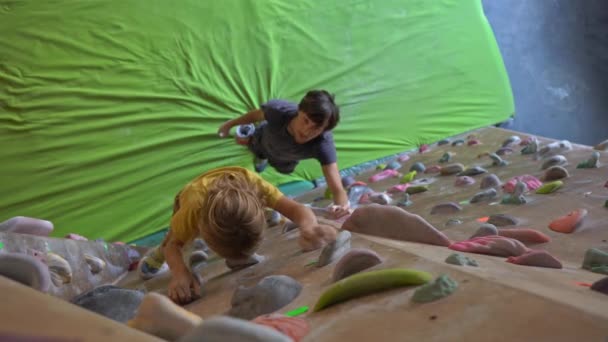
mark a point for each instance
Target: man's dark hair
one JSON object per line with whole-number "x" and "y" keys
{"x": 320, "y": 107}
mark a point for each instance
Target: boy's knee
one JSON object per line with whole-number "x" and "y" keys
{"x": 284, "y": 168}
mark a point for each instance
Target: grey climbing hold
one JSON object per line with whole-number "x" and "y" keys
{"x": 111, "y": 301}
{"x": 237, "y": 264}
{"x": 461, "y": 260}
{"x": 501, "y": 220}
{"x": 446, "y": 208}
{"x": 269, "y": 295}
{"x": 96, "y": 264}
{"x": 441, "y": 287}
{"x": 485, "y": 230}
{"x": 356, "y": 260}
{"x": 335, "y": 250}
{"x": 25, "y": 269}
{"x": 418, "y": 167}
{"x": 490, "y": 181}
{"x": 485, "y": 195}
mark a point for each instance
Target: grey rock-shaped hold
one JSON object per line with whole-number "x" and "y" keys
{"x": 227, "y": 329}
{"x": 553, "y": 161}
{"x": 490, "y": 181}
{"x": 111, "y": 301}
{"x": 485, "y": 195}
{"x": 461, "y": 260}
{"x": 501, "y": 220}
{"x": 347, "y": 181}
{"x": 27, "y": 225}
{"x": 555, "y": 172}
{"x": 335, "y": 250}
{"x": 237, "y": 264}
{"x": 512, "y": 140}
{"x": 96, "y": 264}
{"x": 473, "y": 171}
{"x": 269, "y": 295}
{"x": 356, "y": 260}
{"x": 485, "y": 230}
{"x": 418, "y": 167}
{"x": 25, "y": 269}
{"x": 446, "y": 208}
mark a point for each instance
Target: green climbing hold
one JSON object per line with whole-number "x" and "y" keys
{"x": 550, "y": 187}
{"x": 408, "y": 177}
{"x": 361, "y": 284}
{"x": 460, "y": 260}
{"x": 441, "y": 287}
{"x": 1, "y": 245}
{"x": 596, "y": 260}
{"x": 417, "y": 189}
{"x": 297, "y": 312}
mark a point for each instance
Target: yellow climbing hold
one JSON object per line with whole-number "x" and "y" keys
{"x": 408, "y": 177}
{"x": 361, "y": 284}
{"x": 548, "y": 188}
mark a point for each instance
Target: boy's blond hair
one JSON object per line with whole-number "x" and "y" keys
{"x": 233, "y": 217}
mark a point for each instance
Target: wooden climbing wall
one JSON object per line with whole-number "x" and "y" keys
{"x": 496, "y": 301}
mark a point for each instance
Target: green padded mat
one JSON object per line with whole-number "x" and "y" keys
{"x": 108, "y": 107}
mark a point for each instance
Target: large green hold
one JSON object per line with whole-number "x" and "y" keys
{"x": 361, "y": 284}
{"x": 596, "y": 260}
{"x": 550, "y": 187}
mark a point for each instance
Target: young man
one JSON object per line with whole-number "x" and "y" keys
{"x": 290, "y": 132}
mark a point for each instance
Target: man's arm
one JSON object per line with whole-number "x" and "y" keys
{"x": 334, "y": 182}
{"x": 250, "y": 117}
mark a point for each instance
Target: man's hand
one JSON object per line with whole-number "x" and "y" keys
{"x": 224, "y": 130}
{"x": 315, "y": 237}
{"x": 337, "y": 211}
{"x": 184, "y": 288}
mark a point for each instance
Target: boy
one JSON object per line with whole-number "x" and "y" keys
{"x": 226, "y": 208}
{"x": 291, "y": 132}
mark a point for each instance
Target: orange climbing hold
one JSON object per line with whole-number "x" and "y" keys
{"x": 568, "y": 223}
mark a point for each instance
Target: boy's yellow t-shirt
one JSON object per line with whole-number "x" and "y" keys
{"x": 185, "y": 222}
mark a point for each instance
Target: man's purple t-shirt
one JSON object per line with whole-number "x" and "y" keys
{"x": 273, "y": 141}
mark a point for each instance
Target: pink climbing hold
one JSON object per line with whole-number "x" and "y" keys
{"x": 524, "y": 235}
{"x": 358, "y": 183}
{"x": 294, "y": 327}
{"x": 389, "y": 173}
{"x": 433, "y": 169}
{"x": 403, "y": 157}
{"x": 491, "y": 245}
{"x": 531, "y": 182}
{"x": 73, "y": 236}
{"x": 423, "y": 148}
{"x": 473, "y": 142}
{"x": 537, "y": 258}
{"x": 606, "y": 185}
{"x": 398, "y": 188}
{"x": 464, "y": 181}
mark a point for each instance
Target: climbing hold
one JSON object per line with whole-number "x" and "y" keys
{"x": 335, "y": 250}
{"x": 501, "y": 220}
{"x": 568, "y": 223}
{"x": 222, "y": 328}
{"x": 485, "y": 195}
{"x": 96, "y": 265}
{"x": 380, "y": 198}
{"x": 497, "y": 161}
{"x": 393, "y": 223}
{"x": 490, "y": 181}
{"x": 532, "y": 183}
{"x": 404, "y": 202}
{"x": 452, "y": 169}
{"x": 538, "y": 258}
{"x": 591, "y": 163}
{"x": 417, "y": 189}
{"x": 443, "y": 142}
{"x": 398, "y": 188}
{"x": 293, "y": 327}
{"x": 383, "y": 175}
{"x": 596, "y": 260}
{"x": 269, "y": 295}
{"x": 504, "y": 151}
{"x": 27, "y": 225}
{"x": 461, "y": 260}
{"x": 555, "y": 172}
{"x": 603, "y": 146}
{"x": 355, "y": 261}
{"x": 530, "y": 148}
{"x": 512, "y": 140}
{"x": 273, "y": 218}
{"x": 61, "y": 272}
{"x": 393, "y": 165}
{"x": 76, "y": 237}
{"x": 433, "y": 169}
{"x": 408, "y": 177}
{"x": 464, "y": 181}
{"x": 550, "y": 187}
{"x": 557, "y": 160}
{"x": 446, "y": 208}
{"x": 197, "y": 256}
{"x": 485, "y": 229}
{"x": 601, "y": 286}
{"x": 441, "y": 287}
{"x": 237, "y": 264}
{"x": 381, "y": 167}
{"x": 517, "y": 197}
{"x": 492, "y": 245}
{"x": 423, "y": 148}
{"x": 418, "y": 167}
{"x": 524, "y": 235}
{"x": 347, "y": 181}
{"x": 403, "y": 157}
{"x": 453, "y": 222}
{"x": 361, "y": 284}
{"x": 473, "y": 171}
{"x": 458, "y": 142}
{"x": 554, "y": 148}
{"x": 446, "y": 157}
{"x": 111, "y": 301}
{"x": 473, "y": 142}
{"x": 25, "y": 269}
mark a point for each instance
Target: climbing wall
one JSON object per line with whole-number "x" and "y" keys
{"x": 495, "y": 301}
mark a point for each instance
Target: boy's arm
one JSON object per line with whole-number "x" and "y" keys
{"x": 334, "y": 182}
{"x": 183, "y": 286}
{"x": 250, "y": 117}
{"x": 312, "y": 235}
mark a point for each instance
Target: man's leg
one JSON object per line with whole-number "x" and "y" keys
{"x": 260, "y": 160}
